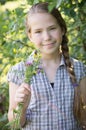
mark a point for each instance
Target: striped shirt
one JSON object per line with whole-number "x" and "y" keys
{"x": 50, "y": 108}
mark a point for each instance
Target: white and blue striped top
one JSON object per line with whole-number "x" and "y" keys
{"x": 50, "y": 108}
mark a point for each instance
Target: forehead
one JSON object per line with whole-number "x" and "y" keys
{"x": 40, "y": 20}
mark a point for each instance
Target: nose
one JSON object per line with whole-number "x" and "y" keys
{"x": 46, "y": 36}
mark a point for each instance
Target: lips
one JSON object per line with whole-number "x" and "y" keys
{"x": 49, "y": 45}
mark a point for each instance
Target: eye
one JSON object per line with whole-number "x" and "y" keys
{"x": 38, "y": 31}
{"x": 52, "y": 28}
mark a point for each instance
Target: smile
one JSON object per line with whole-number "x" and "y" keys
{"x": 49, "y": 46}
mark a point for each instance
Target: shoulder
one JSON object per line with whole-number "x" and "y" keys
{"x": 16, "y": 73}
{"x": 78, "y": 64}
{"x": 79, "y": 68}
{"x": 19, "y": 66}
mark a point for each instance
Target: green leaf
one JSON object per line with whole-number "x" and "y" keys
{"x": 58, "y": 3}
{"x": 36, "y": 1}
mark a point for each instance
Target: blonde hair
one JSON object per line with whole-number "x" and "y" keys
{"x": 43, "y": 7}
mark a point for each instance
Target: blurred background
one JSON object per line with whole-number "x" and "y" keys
{"x": 14, "y": 41}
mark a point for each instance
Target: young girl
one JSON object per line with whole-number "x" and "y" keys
{"x": 48, "y": 99}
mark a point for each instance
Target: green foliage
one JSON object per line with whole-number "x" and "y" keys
{"x": 14, "y": 42}
{"x": 3, "y": 1}
{"x": 75, "y": 12}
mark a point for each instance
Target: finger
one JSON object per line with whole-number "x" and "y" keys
{"x": 21, "y": 98}
{"x": 26, "y": 92}
{"x": 26, "y": 86}
{"x": 23, "y": 89}
{"x": 21, "y": 95}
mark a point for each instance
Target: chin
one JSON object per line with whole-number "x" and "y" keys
{"x": 49, "y": 52}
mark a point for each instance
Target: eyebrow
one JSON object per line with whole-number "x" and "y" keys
{"x": 38, "y": 29}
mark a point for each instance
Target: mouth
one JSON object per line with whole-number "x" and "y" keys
{"x": 49, "y": 45}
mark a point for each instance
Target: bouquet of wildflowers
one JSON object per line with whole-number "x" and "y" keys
{"x": 32, "y": 68}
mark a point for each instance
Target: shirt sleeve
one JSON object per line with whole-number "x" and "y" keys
{"x": 83, "y": 70}
{"x": 16, "y": 73}
{"x": 80, "y": 70}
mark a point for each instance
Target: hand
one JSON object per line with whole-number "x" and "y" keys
{"x": 23, "y": 95}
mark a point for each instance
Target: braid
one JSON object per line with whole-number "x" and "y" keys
{"x": 70, "y": 69}
{"x": 65, "y": 52}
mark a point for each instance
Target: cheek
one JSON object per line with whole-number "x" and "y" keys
{"x": 35, "y": 38}
{"x": 36, "y": 41}
{"x": 58, "y": 35}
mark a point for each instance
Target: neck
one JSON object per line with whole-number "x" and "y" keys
{"x": 51, "y": 59}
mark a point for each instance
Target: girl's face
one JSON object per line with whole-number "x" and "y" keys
{"x": 45, "y": 33}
